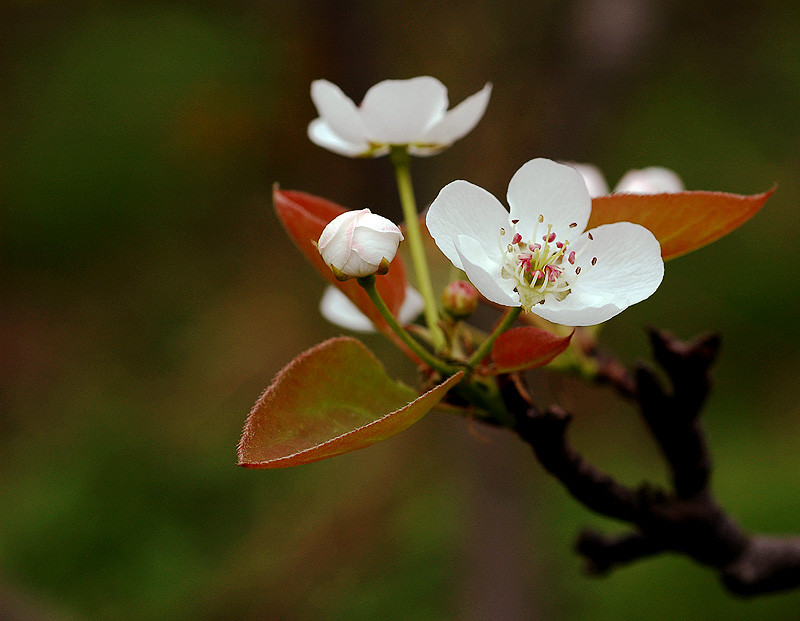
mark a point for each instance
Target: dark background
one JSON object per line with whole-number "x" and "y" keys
{"x": 149, "y": 295}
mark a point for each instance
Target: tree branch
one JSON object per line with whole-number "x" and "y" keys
{"x": 686, "y": 519}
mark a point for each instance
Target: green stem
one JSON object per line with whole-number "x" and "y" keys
{"x": 401, "y": 161}
{"x": 483, "y": 350}
{"x": 368, "y": 282}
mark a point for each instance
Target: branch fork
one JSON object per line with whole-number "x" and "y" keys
{"x": 685, "y": 519}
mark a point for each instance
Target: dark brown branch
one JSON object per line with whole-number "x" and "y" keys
{"x": 687, "y": 519}
{"x": 603, "y": 553}
{"x": 546, "y": 433}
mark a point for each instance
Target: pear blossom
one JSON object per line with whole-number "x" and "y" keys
{"x": 359, "y": 243}
{"x": 411, "y": 113}
{"x": 650, "y": 180}
{"x": 337, "y": 308}
{"x": 538, "y": 256}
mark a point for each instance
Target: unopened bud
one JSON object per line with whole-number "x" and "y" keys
{"x": 359, "y": 243}
{"x": 460, "y": 299}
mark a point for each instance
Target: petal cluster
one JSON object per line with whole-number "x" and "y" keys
{"x": 650, "y": 180}
{"x": 359, "y": 243}
{"x": 538, "y": 256}
{"x": 411, "y": 113}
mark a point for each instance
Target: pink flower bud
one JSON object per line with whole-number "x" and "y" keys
{"x": 460, "y": 299}
{"x": 359, "y": 243}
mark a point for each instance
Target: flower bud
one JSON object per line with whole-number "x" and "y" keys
{"x": 460, "y": 299}
{"x": 359, "y": 243}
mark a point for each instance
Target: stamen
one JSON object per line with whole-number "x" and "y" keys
{"x": 578, "y": 270}
{"x": 590, "y": 237}
{"x": 594, "y": 260}
{"x": 537, "y": 267}
{"x": 573, "y": 225}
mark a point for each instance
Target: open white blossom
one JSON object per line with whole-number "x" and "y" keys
{"x": 651, "y": 180}
{"x": 337, "y": 308}
{"x": 538, "y": 256}
{"x": 411, "y": 113}
{"x": 359, "y": 243}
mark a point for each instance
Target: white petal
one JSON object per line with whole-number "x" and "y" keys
{"x": 595, "y": 181}
{"x": 357, "y": 266}
{"x": 412, "y": 306}
{"x": 629, "y": 269}
{"x": 323, "y": 136}
{"x": 337, "y": 308}
{"x": 653, "y": 180}
{"x": 485, "y": 273}
{"x": 459, "y": 121}
{"x": 426, "y": 150}
{"x": 577, "y": 316}
{"x": 556, "y": 191}
{"x": 462, "y": 208}
{"x": 378, "y": 223}
{"x": 338, "y": 111}
{"x": 400, "y": 111}
{"x": 336, "y": 241}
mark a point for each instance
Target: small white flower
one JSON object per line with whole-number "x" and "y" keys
{"x": 337, "y": 308}
{"x": 651, "y": 180}
{"x": 359, "y": 243}
{"x": 411, "y": 113}
{"x": 539, "y": 256}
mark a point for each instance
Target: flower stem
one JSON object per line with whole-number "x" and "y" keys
{"x": 483, "y": 350}
{"x": 368, "y": 282}
{"x": 401, "y": 161}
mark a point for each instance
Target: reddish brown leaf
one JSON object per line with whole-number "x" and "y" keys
{"x": 682, "y": 221}
{"x": 332, "y": 399}
{"x": 304, "y": 216}
{"x": 526, "y": 347}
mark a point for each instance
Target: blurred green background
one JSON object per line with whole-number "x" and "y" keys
{"x": 148, "y": 296}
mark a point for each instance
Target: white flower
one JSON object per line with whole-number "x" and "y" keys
{"x": 359, "y": 243}
{"x": 411, "y": 113}
{"x": 539, "y": 256}
{"x": 337, "y": 308}
{"x": 652, "y": 180}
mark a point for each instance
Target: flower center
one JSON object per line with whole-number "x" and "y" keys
{"x": 543, "y": 267}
